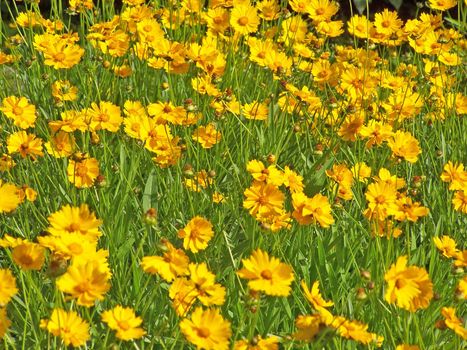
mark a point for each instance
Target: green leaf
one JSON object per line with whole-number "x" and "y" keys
{"x": 396, "y": 3}
{"x": 149, "y": 190}
{"x": 361, "y": 5}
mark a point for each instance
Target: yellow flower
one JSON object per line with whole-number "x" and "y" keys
{"x": 311, "y": 210}
{"x": 404, "y": 145}
{"x": 196, "y": 234}
{"x": 75, "y": 220}
{"x": 244, "y": 19}
{"x": 29, "y": 256}
{"x": 381, "y": 198}
{"x": 317, "y": 301}
{"x": 63, "y": 90}
{"x": 263, "y": 199}
{"x": 7, "y": 287}
{"x": 71, "y": 328}
{"x": 203, "y": 280}
{"x": 207, "y": 135}
{"x": 9, "y": 197}
{"x": 172, "y": 264}
{"x": 4, "y": 322}
{"x": 267, "y": 274}
{"x": 207, "y": 329}
{"x": 83, "y": 171}
{"x": 387, "y": 22}
{"x": 409, "y": 288}
{"x": 20, "y": 110}
{"x": 258, "y": 343}
{"x": 459, "y": 201}
{"x": 25, "y": 144}
{"x": 447, "y": 246}
{"x": 356, "y": 330}
{"x": 442, "y": 5}
{"x": 308, "y": 326}
{"x": 453, "y": 322}
{"x": 124, "y": 321}
{"x": 407, "y": 347}
{"x": 86, "y": 282}
{"x": 321, "y": 10}
{"x": 455, "y": 174}
{"x": 105, "y": 116}
{"x": 62, "y": 144}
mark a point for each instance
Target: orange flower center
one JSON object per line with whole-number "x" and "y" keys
{"x": 103, "y": 117}
{"x": 266, "y": 274}
{"x": 17, "y": 110}
{"x": 320, "y": 11}
{"x": 243, "y": 21}
{"x": 386, "y": 24}
{"x": 123, "y": 325}
{"x": 26, "y": 260}
{"x": 59, "y": 56}
{"x": 81, "y": 170}
{"x": 218, "y": 20}
{"x": 73, "y": 227}
{"x": 147, "y": 28}
{"x": 75, "y": 248}
{"x": 203, "y": 332}
{"x": 380, "y": 199}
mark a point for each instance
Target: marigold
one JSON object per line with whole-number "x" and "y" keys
{"x": 267, "y": 274}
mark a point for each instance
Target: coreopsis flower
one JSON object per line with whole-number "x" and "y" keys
{"x": 263, "y": 198}
{"x": 447, "y": 246}
{"x": 29, "y": 256}
{"x": 255, "y": 110}
{"x": 462, "y": 288}
{"x": 404, "y": 145}
{"x": 75, "y": 220}
{"x": 442, "y": 5}
{"x": 321, "y": 10}
{"x": 258, "y": 343}
{"x": 105, "y": 116}
{"x": 25, "y": 144}
{"x": 67, "y": 325}
{"x": 6, "y": 162}
{"x": 341, "y": 175}
{"x": 317, "y": 301}
{"x": 244, "y": 19}
{"x": 356, "y": 330}
{"x": 5, "y": 323}
{"x": 455, "y": 175}
{"x": 207, "y": 329}
{"x": 207, "y": 135}
{"x": 292, "y": 180}
{"x": 196, "y": 234}
{"x": 361, "y": 171}
{"x": 459, "y": 201}
{"x": 267, "y": 274}
{"x": 376, "y": 132}
{"x": 60, "y": 53}
{"x": 409, "y": 288}
{"x": 407, "y": 347}
{"x": 387, "y": 22}
{"x": 86, "y": 282}
{"x": 9, "y": 197}
{"x": 173, "y": 263}
{"x": 63, "y": 90}
{"x": 360, "y": 27}
{"x": 20, "y": 110}
{"x": 408, "y": 210}
{"x": 124, "y": 321}
{"x": 311, "y": 210}
{"x": 83, "y": 171}
{"x": 203, "y": 281}
{"x": 7, "y": 287}
{"x": 308, "y": 326}
{"x": 68, "y": 246}
{"x": 453, "y": 322}
{"x": 61, "y": 145}
{"x": 381, "y": 199}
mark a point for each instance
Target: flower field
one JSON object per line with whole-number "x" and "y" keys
{"x": 232, "y": 174}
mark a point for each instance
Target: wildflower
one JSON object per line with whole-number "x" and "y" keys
{"x": 442, "y": 5}
{"x": 68, "y": 245}
{"x": 183, "y": 294}
{"x": 29, "y": 256}
{"x": 5, "y": 323}
{"x": 83, "y": 171}
{"x": 407, "y": 347}
{"x": 67, "y": 325}
{"x": 409, "y": 288}
{"x": 6, "y": 162}
{"x": 258, "y": 343}
{"x": 381, "y": 199}
{"x": 8, "y": 287}
{"x": 404, "y": 145}
{"x": 317, "y": 301}
{"x": 124, "y": 321}
{"x": 376, "y": 132}
{"x": 453, "y": 322}
{"x": 196, "y": 234}
{"x": 86, "y": 282}
{"x": 361, "y": 171}
{"x": 255, "y": 110}
{"x": 387, "y": 22}
{"x": 311, "y": 210}
{"x": 356, "y": 330}
{"x": 207, "y": 329}
{"x": 459, "y": 201}
{"x": 447, "y": 246}
{"x": 321, "y": 10}
{"x": 203, "y": 281}
{"x": 25, "y": 144}
{"x": 207, "y": 135}
{"x": 63, "y": 90}
{"x": 75, "y": 220}
{"x": 263, "y": 198}
{"x": 308, "y": 326}
{"x": 9, "y": 197}
{"x": 61, "y": 145}
{"x": 105, "y": 116}
{"x": 20, "y": 110}
{"x": 292, "y": 180}
{"x": 455, "y": 174}
{"x": 267, "y": 274}
{"x": 407, "y": 210}
{"x": 244, "y": 19}
{"x": 60, "y": 53}
{"x": 172, "y": 264}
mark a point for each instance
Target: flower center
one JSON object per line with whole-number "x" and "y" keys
{"x": 203, "y": 332}
{"x": 17, "y": 110}
{"x": 243, "y": 21}
{"x": 59, "y": 56}
{"x": 266, "y": 274}
{"x": 123, "y": 325}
